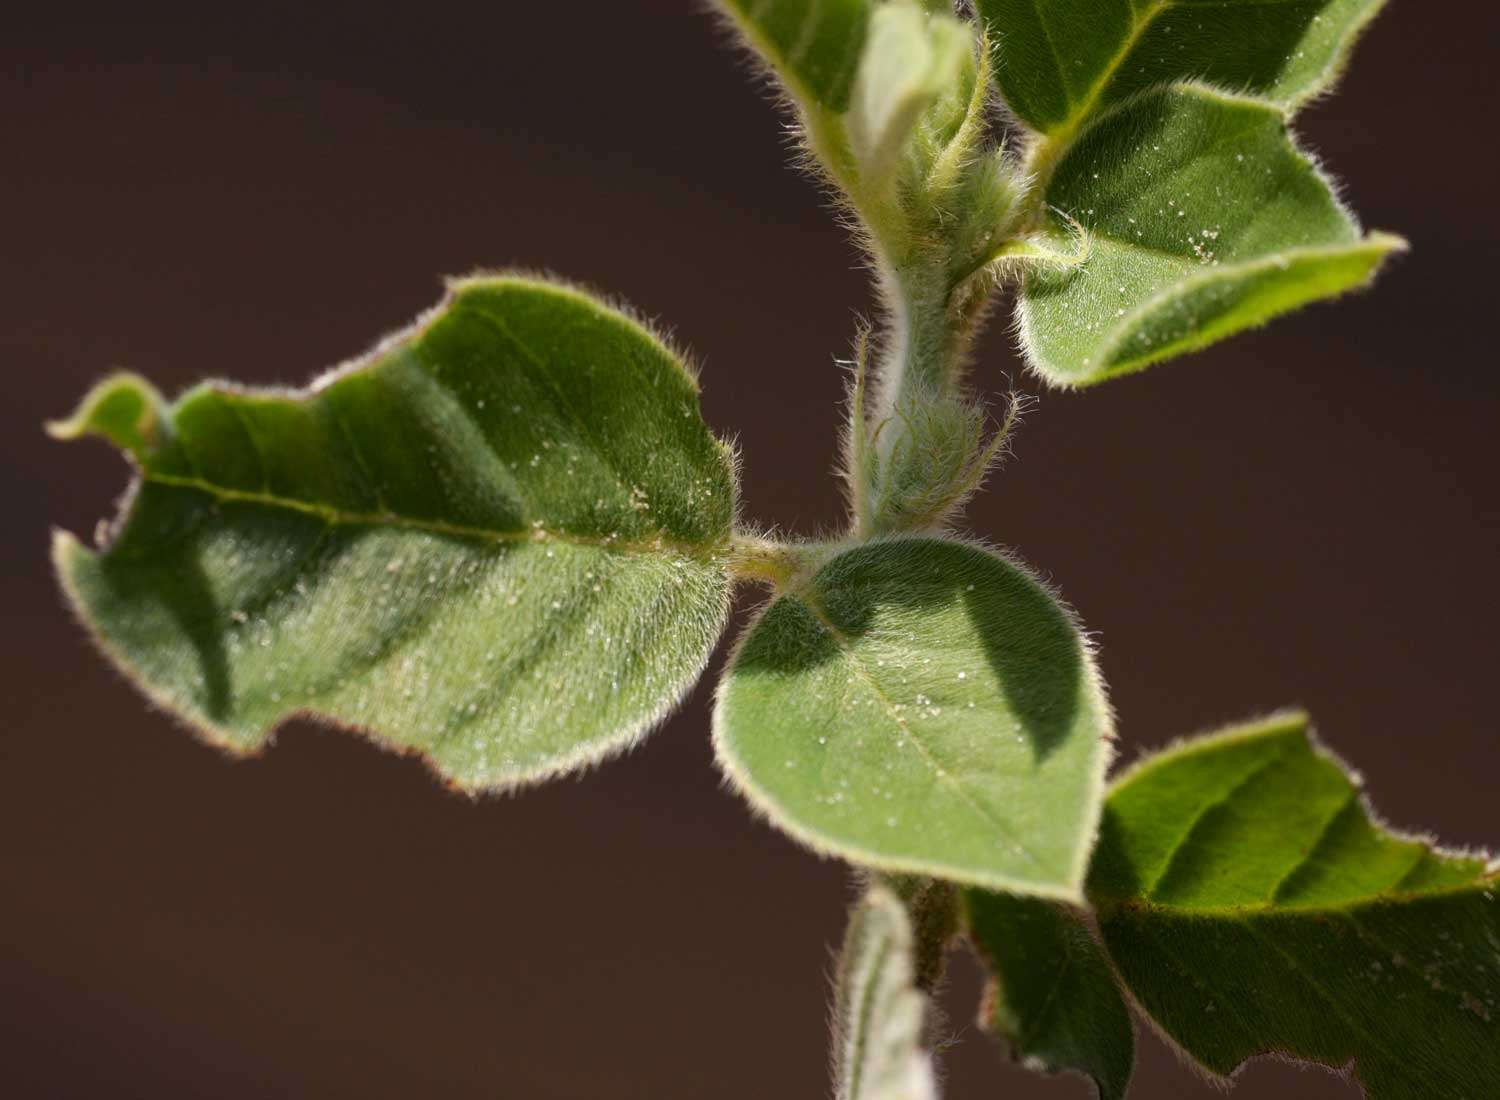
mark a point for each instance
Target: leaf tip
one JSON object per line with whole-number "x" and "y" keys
{"x": 1390, "y": 242}
{"x": 125, "y": 409}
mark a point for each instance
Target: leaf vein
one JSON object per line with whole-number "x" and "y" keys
{"x": 939, "y": 772}
{"x": 710, "y": 550}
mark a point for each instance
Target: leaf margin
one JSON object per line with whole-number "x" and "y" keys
{"x": 66, "y": 550}
{"x": 735, "y": 774}
{"x": 1281, "y": 720}
{"x": 1374, "y": 247}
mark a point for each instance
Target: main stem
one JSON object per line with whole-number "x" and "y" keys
{"x": 919, "y": 359}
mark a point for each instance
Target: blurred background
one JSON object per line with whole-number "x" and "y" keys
{"x": 1308, "y": 514}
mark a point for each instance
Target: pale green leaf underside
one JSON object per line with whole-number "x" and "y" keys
{"x": 498, "y": 541}
{"x": 879, "y": 1014}
{"x": 922, "y": 705}
{"x": 1059, "y": 62}
{"x": 911, "y": 59}
{"x": 1252, "y": 905}
{"x": 1052, "y": 995}
{"x": 1203, "y": 218}
{"x": 814, "y": 45}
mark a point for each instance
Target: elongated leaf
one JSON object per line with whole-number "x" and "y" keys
{"x": 1051, "y": 994}
{"x": 1203, "y": 220}
{"x": 814, "y": 45}
{"x": 922, "y": 705}
{"x": 1252, "y": 905}
{"x": 498, "y": 541}
{"x": 1059, "y": 62}
{"x": 879, "y": 1013}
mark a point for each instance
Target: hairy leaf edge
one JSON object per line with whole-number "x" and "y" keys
{"x": 1294, "y": 720}
{"x": 1277, "y": 721}
{"x": 993, "y": 986}
{"x": 854, "y": 984}
{"x": 736, "y": 775}
{"x": 1070, "y": 129}
{"x": 1374, "y": 250}
{"x": 788, "y": 89}
{"x": 67, "y": 550}
{"x": 1375, "y": 247}
{"x": 1338, "y": 63}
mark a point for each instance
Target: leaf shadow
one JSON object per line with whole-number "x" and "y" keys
{"x": 1028, "y": 640}
{"x": 184, "y": 591}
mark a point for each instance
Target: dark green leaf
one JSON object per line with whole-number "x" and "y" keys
{"x": 1252, "y": 905}
{"x": 1203, "y": 219}
{"x": 1059, "y": 62}
{"x": 926, "y": 706}
{"x": 499, "y": 541}
{"x": 1052, "y": 995}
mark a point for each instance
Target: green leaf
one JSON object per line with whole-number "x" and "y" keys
{"x": 879, "y": 1013}
{"x": 912, "y": 58}
{"x": 922, "y": 705}
{"x": 815, "y": 47}
{"x": 498, "y": 541}
{"x": 1203, "y": 219}
{"x": 123, "y": 409}
{"x": 1252, "y": 905}
{"x": 1052, "y": 994}
{"x": 1060, "y": 63}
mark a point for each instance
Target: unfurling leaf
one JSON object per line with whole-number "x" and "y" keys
{"x": 1203, "y": 219}
{"x": 879, "y": 1013}
{"x": 498, "y": 541}
{"x": 927, "y": 706}
{"x": 1252, "y": 906}
{"x": 911, "y": 59}
{"x": 815, "y": 48}
{"x": 1059, "y": 62}
{"x": 1052, "y": 995}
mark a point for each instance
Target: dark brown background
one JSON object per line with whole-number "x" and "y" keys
{"x": 1307, "y": 514}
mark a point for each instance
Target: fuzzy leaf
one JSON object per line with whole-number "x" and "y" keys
{"x": 1059, "y": 62}
{"x": 912, "y": 58}
{"x": 1052, "y": 995}
{"x": 926, "y": 706}
{"x": 879, "y": 1013}
{"x": 1203, "y": 219}
{"x": 1252, "y": 905}
{"x": 497, "y": 541}
{"x": 814, "y": 47}
{"x": 123, "y": 409}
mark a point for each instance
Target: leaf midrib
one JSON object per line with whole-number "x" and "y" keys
{"x": 706, "y": 551}
{"x": 1139, "y": 25}
{"x": 1137, "y": 904}
{"x": 939, "y": 772}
